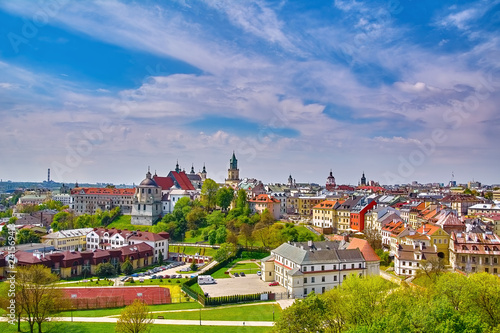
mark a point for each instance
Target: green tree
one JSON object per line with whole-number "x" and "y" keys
{"x": 160, "y": 257}
{"x": 305, "y": 315}
{"x": 25, "y": 236}
{"x": 135, "y": 318}
{"x": 196, "y": 218}
{"x": 38, "y": 296}
{"x": 225, "y": 251}
{"x": 193, "y": 266}
{"x": 221, "y": 234}
{"x": 246, "y": 232}
{"x": 63, "y": 221}
{"x": 212, "y": 237}
{"x": 215, "y": 218}
{"x": 224, "y": 197}
{"x": 127, "y": 267}
{"x": 105, "y": 270}
{"x": 209, "y": 194}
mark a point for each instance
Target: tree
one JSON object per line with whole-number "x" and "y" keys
{"x": 246, "y": 233}
{"x": 266, "y": 218}
{"x": 373, "y": 237}
{"x": 127, "y": 267}
{"x": 225, "y": 251}
{"x": 221, "y": 235}
{"x": 196, "y": 218}
{"x": 135, "y": 318}
{"x": 160, "y": 257}
{"x": 215, "y": 218}
{"x": 105, "y": 270}
{"x": 212, "y": 237}
{"x": 432, "y": 268}
{"x": 25, "y": 236}
{"x": 39, "y": 298}
{"x": 62, "y": 221}
{"x": 193, "y": 266}
{"x": 209, "y": 194}
{"x": 224, "y": 197}
{"x": 305, "y": 315}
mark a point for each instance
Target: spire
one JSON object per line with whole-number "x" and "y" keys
{"x": 192, "y": 169}
{"x": 204, "y": 170}
{"x": 177, "y": 169}
{"x": 233, "y": 162}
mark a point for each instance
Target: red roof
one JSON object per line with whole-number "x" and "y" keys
{"x": 264, "y": 198}
{"x": 183, "y": 180}
{"x": 103, "y": 191}
{"x": 165, "y": 182}
{"x": 365, "y": 248}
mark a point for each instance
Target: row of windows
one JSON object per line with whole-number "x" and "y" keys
{"x": 486, "y": 260}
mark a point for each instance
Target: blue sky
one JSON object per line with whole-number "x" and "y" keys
{"x": 97, "y": 91}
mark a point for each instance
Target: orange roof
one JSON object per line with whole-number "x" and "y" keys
{"x": 103, "y": 191}
{"x": 365, "y": 248}
{"x": 327, "y": 204}
{"x": 264, "y": 198}
{"x": 428, "y": 229}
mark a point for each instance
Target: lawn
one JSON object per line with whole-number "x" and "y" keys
{"x": 68, "y": 327}
{"x": 190, "y": 238}
{"x": 245, "y": 255}
{"x": 196, "y": 287}
{"x": 123, "y": 222}
{"x": 229, "y": 313}
{"x": 248, "y": 268}
{"x": 117, "y": 311}
{"x": 206, "y": 251}
{"x": 94, "y": 283}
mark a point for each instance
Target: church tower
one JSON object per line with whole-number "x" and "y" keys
{"x": 233, "y": 173}
{"x": 330, "y": 182}
{"x": 363, "y": 180}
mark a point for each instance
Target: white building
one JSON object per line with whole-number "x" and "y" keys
{"x": 146, "y": 205}
{"x": 105, "y": 239}
{"x": 318, "y": 266}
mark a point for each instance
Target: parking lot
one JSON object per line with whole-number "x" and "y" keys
{"x": 249, "y": 284}
{"x": 173, "y": 271}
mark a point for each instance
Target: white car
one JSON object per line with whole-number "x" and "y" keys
{"x": 259, "y": 273}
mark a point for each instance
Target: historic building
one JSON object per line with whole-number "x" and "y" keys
{"x": 318, "y": 266}
{"x": 330, "y": 182}
{"x": 86, "y": 200}
{"x": 146, "y": 205}
{"x": 233, "y": 173}
{"x": 263, "y": 202}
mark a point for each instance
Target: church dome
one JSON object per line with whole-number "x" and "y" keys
{"x": 148, "y": 181}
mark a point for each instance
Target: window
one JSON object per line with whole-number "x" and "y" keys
{"x": 495, "y": 261}
{"x": 486, "y": 270}
{"x": 323, "y": 290}
{"x": 360, "y": 265}
{"x": 486, "y": 260}
{"x": 305, "y": 280}
{"x": 305, "y": 269}
{"x": 335, "y": 278}
{"x": 305, "y": 291}
{"x": 343, "y": 266}
{"x": 323, "y": 268}
{"x": 463, "y": 258}
{"x": 322, "y": 279}
{"x": 312, "y": 268}
{"x": 313, "y": 280}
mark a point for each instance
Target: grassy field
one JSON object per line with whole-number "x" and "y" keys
{"x": 193, "y": 239}
{"x": 196, "y": 287}
{"x": 68, "y": 327}
{"x": 117, "y": 311}
{"x": 247, "y": 268}
{"x": 243, "y": 313}
{"x": 94, "y": 283}
{"x": 123, "y": 222}
{"x": 245, "y": 255}
{"x": 207, "y": 251}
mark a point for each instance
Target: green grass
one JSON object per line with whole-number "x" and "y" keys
{"x": 94, "y": 283}
{"x": 207, "y": 251}
{"x": 193, "y": 239}
{"x": 156, "y": 282}
{"x": 241, "y": 313}
{"x": 196, "y": 287}
{"x": 123, "y": 222}
{"x": 248, "y": 268}
{"x": 245, "y": 255}
{"x": 68, "y": 327}
{"x": 117, "y": 311}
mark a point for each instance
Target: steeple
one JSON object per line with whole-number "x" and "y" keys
{"x": 177, "y": 169}
{"x": 233, "y": 162}
{"x": 192, "y": 169}
{"x": 363, "y": 180}
{"x": 204, "y": 170}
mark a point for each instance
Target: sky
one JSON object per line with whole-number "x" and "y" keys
{"x": 400, "y": 90}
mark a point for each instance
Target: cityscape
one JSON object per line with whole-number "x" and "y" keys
{"x": 249, "y": 166}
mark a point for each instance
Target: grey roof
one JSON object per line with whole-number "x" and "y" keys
{"x": 319, "y": 252}
{"x": 295, "y": 272}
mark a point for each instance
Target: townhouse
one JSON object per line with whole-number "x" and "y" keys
{"x": 71, "y": 240}
{"x": 264, "y": 201}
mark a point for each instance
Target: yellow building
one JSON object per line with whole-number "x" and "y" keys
{"x": 437, "y": 237}
{"x": 71, "y": 240}
{"x": 302, "y": 205}
{"x": 325, "y": 215}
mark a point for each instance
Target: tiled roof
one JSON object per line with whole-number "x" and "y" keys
{"x": 182, "y": 180}
{"x": 365, "y": 248}
{"x": 165, "y": 182}
{"x": 264, "y": 198}
{"x": 327, "y": 204}
{"x": 103, "y": 191}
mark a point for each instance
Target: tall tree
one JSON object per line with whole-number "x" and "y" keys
{"x": 127, "y": 267}
{"x": 39, "y": 298}
{"x": 209, "y": 194}
{"x": 224, "y": 197}
{"x": 25, "y": 236}
{"x": 135, "y": 318}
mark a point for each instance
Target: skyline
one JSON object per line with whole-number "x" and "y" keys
{"x": 99, "y": 91}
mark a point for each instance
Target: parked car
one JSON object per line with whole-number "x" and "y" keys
{"x": 166, "y": 276}
{"x": 259, "y": 273}
{"x": 236, "y": 275}
{"x": 141, "y": 274}
{"x": 275, "y": 283}
{"x": 135, "y": 275}
{"x": 242, "y": 274}
{"x": 123, "y": 278}
{"x": 154, "y": 276}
